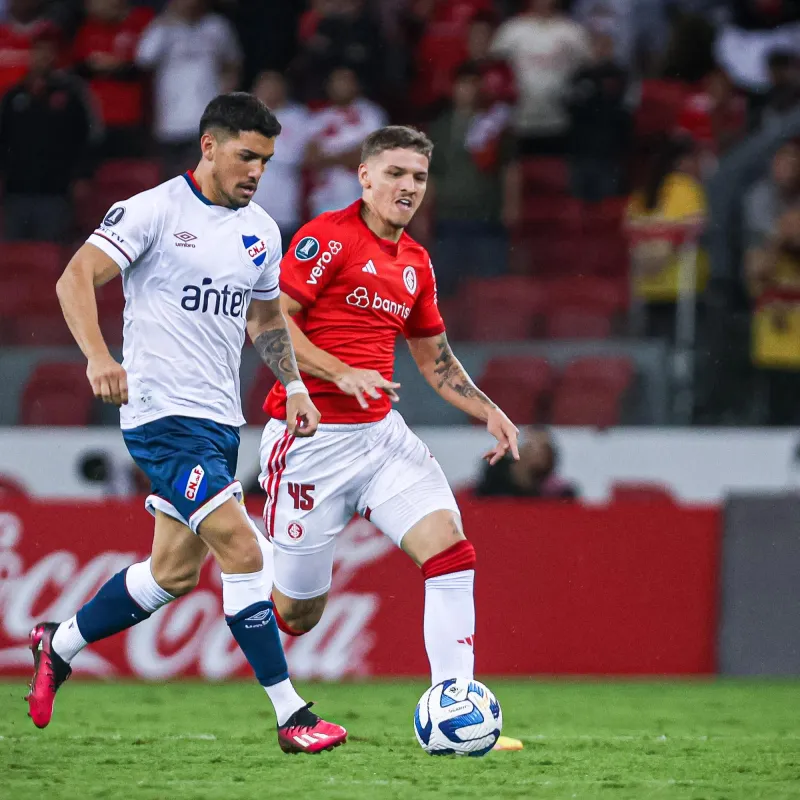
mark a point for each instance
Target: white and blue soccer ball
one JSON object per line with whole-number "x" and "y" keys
{"x": 459, "y": 717}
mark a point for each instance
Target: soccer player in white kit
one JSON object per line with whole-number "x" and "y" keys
{"x": 353, "y": 281}
{"x": 199, "y": 265}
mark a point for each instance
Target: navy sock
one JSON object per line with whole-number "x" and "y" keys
{"x": 110, "y": 611}
{"x": 256, "y": 632}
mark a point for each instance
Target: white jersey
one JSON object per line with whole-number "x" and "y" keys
{"x": 189, "y": 270}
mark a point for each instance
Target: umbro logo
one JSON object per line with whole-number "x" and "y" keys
{"x": 184, "y": 238}
{"x": 260, "y": 618}
{"x": 370, "y": 268}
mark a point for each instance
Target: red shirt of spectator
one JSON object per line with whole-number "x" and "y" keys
{"x": 715, "y": 117}
{"x": 106, "y": 50}
{"x": 15, "y": 46}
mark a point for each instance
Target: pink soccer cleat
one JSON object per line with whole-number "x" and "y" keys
{"x": 49, "y": 672}
{"x": 305, "y": 732}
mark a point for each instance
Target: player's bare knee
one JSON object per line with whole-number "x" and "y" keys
{"x": 177, "y": 579}
{"x": 432, "y": 535}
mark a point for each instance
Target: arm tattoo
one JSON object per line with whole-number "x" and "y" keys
{"x": 450, "y": 373}
{"x": 276, "y": 351}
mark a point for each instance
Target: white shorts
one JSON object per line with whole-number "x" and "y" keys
{"x": 315, "y": 486}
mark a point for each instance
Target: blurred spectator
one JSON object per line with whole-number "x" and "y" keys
{"x": 104, "y": 51}
{"x": 670, "y": 206}
{"x": 784, "y": 89}
{"x": 280, "y": 189}
{"x": 195, "y": 56}
{"x": 467, "y": 172}
{"x": 744, "y": 53}
{"x": 45, "y": 140}
{"x": 340, "y": 33}
{"x": 16, "y": 34}
{"x": 534, "y": 475}
{"x": 689, "y": 55}
{"x": 545, "y": 49}
{"x": 715, "y": 117}
{"x": 334, "y": 150}
{"x": 601, "y": 124}
{"x": 771, "y": 216}
{"x": 497, "y": 78}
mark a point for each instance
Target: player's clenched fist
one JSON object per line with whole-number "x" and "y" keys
{"x": 302, "y": 417}
{"x": 506, "y": 433}
{"x": 108, "y": 380}
{"x": 360, "y": 382}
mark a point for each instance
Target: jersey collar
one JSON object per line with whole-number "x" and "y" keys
{"x": 189, "y": 177}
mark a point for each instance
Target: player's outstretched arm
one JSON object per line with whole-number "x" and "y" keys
{"x": 443, "y": 371}
{"x": 269, "y": 333}
{"x": 91, "y": 267}
{"x": 321, "y": 364}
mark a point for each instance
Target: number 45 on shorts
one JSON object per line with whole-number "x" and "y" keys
{"x": 302, "y": 494}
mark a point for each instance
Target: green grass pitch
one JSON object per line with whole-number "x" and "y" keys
{"x": 719, "y": 740}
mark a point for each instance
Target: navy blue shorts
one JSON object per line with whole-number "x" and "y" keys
{"x": 191, "y": 465}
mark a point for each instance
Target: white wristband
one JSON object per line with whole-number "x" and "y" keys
{"x": 295, "y": 387}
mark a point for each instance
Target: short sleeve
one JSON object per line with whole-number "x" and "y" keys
{"x": 317, "y": 252}
{"x": 267, "y": 287}
{"x": 425, "y": 319}
{"x": 127, "y": 230}
{"x": 502, "y": 45}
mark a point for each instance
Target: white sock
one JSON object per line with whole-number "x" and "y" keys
{"x": 67, "y": 640}
{"x": 450, "y": 625}
{"x": 284, "y": 699}
{"x": 241, "y": 590}
{"x": 143, "y": 589}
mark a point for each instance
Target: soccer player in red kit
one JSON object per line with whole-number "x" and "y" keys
{"x": 351, "y": 281}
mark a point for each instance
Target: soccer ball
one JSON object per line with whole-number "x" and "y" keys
{"x": 458, "y": 717}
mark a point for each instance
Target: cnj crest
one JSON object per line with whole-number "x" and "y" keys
{"x": 256, "y": 249}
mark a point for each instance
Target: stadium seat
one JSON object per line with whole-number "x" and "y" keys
{"x": 263, "y": 381}
{"x": 573, "y": 404}
{"x": 545, "y": 176}
{"x": 32, "y": 258}
{"x": 589, "y": 293}
{"x": 521, "y": 385}
{"x": 40, "y": 330}
{"x": 571, "y": 323}
{"x": 128, "y": 176}
{"x": 608, "y": 255}
{"x": 57, "y": 394}
{"x": 616, "y": 371}
{"x": 500, "y": 309}
{"x": 640, "y": 492}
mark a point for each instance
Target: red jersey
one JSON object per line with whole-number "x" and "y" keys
{"x": 358, "y": 293}
{"x": 121, "y": 101}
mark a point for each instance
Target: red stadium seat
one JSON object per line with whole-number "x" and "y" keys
{"x": 41, "y": 330}
{"x": 128, "y": 176}
{"x": 500, "y": 309}
{"x": 57, "y": 394}
{"x": 521, "y": 385}
{"x": 640, "y": 492}
{"x": 574, "y": 405}
{"x": 263, "y": 381}
{"x": 576, "y": 323}
{"x": 608, "y": 255}
{"x": 609, "y": 370}
{"x": 548, "y": 176}
{"x": 587, "y": 292}
{"x": 32, "y": 258}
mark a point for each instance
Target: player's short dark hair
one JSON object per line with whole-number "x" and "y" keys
{"x": 235, "y": 112}
{"x": 396, "y": 137}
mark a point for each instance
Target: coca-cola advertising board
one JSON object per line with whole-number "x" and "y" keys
{"x": 559, "y": 590}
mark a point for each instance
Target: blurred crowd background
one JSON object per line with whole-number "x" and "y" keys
{"x": 614, "y": 204}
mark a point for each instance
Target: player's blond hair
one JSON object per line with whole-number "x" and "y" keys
{"x": 396, "y": 137}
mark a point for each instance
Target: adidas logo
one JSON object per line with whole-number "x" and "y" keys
{"x": 306, "y": 739}
{"x": 370, "y": 267}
